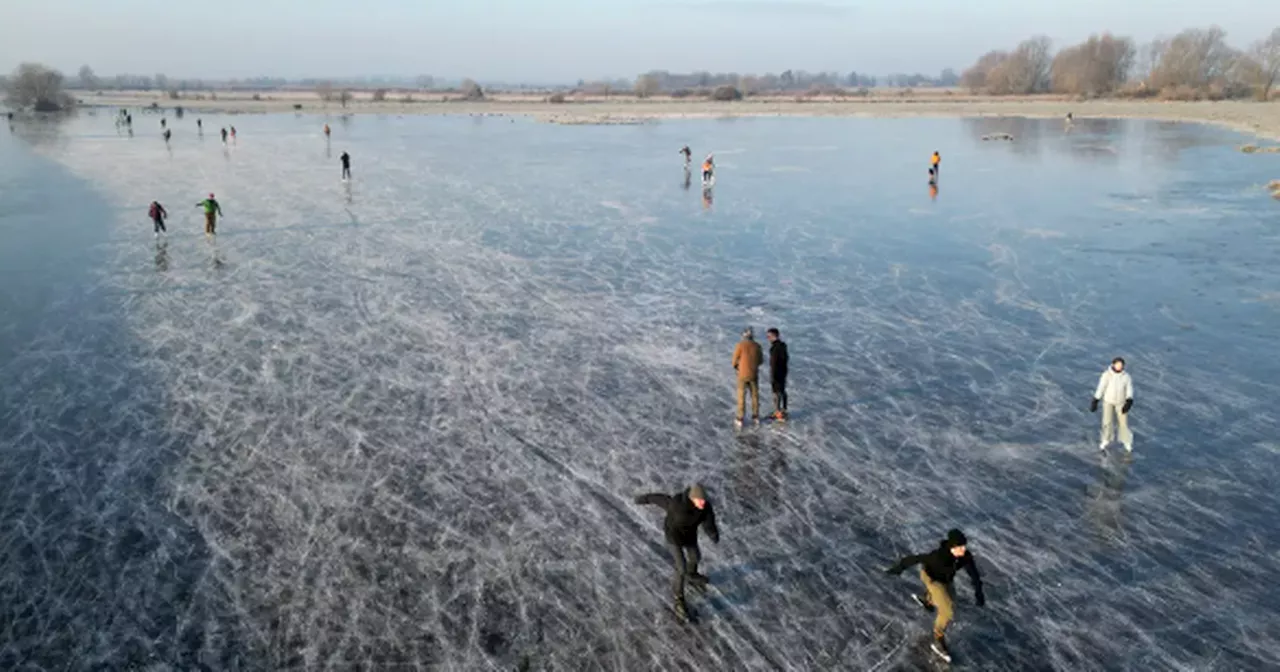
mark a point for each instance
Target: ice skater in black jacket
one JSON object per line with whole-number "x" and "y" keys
{"x": 685, "y": 512}
{"x": 937, "y": 570}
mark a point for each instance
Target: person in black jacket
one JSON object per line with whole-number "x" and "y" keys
{"x": 778, "y": 361}
{"x": 685, "y": 512}
{"x": 937, "y": 569}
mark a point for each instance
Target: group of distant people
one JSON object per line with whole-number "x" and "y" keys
{"x": 212, "y": 209}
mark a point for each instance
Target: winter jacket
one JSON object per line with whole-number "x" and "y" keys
{"x": 210, "y": 206}
{"x": 157, "y": 211}
{"x": 942, "y": 567}
{"x": 747, "y": 359}
{"x": 778, "y": 360}
{"x": 683, "y": 518}
{"x": 1114, "y": 388}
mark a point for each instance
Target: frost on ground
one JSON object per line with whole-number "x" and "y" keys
{"x": 398, "y": 423}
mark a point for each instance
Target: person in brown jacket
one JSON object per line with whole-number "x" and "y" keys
{"x": 747, "y": 359}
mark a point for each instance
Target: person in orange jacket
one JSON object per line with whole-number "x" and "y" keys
{"x": 747, "y": 359}
{"x": 936, "y": 163}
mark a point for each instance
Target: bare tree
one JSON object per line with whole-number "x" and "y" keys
{"x": 1025, "y": 71}
{"x": 426, "y": 82}
{"x": 1097, "y": 66}
{"x": 1193, "y": 59}
{"x": 647, "y": 85}
{"x": 38, "y": 87}
{"x": 471, "y": 90}
{"x": 379, "y": 95}
{"x": 88, "y": 80}
{"x": 1264, "y": 64}
{"x": 325, "y": 91}
{"x": 344, "y": 97}
{"x": 975, "y": 78}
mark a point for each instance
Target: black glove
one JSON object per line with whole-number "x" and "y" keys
{"x": 980, "y": 598}
{"x": 1093, "y": 405}
{"x": 1128, "y": 404}
{"x": 895, "y": 570}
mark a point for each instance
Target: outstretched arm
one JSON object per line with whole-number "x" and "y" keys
{"x": 656, "y": 499}
{"x": 972, "y": 568}
{"x": 902, "y": 565}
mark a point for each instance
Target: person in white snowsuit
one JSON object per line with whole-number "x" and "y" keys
{"x": 1115, "y": 391}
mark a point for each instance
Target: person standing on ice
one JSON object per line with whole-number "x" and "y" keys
{"x": 346, "y": 166}
{"x": 779, "y": 362}
{"x": 1115, "y": 391}
{"x": 747, "y": 359}
{"x": 224, "y": 136}
{"x": 686, "y": 511}
{"x": 211, "y": 213}
{"x": 938, "y": 568}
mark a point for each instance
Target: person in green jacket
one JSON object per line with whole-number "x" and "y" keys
{"x": 211, "y": 213}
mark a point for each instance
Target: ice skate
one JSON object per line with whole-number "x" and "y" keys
{"x": 681, "y": 611}
{"x": 939, "y": 648}
{"x": 924, "y": 604}
{"x": 698, "y": 581}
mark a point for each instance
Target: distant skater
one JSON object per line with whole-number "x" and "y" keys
{"x": 708, "y": 169}
{"x": 688, "y": 155}
{"x": 326, "y": 130}
{"x": 685, "y": 512}
{"x": 346, "y": 166}
{"x": 158, "y": 213}
{"x": 212, "y": 211}
{"x": 224, "y": 136}
{"x": 779, "y": 362}
{"x": 1115, "y": 391}
{"x": 200, "y": 126}
{"x": 163, "y": 123}
{"x": 233, "y": 134}
{"x": 746, "y": 361}
{"x": 938, "y": 568}
{"x": 935, "y": 162}
{"x": 167, "y": 134}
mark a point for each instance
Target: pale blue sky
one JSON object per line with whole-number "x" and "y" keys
{"x": 564, "y": 40}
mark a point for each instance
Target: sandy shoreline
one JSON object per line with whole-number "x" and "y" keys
{"x": 1261, "y": 119}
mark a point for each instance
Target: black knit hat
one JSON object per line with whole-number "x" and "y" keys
{"x": 696, "y": 492}
{"x": 956, "y": 538}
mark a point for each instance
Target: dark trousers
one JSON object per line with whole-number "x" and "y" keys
{"x": 779, "y": 392}
{"x": 210, "y": 223}
{"x": 159, "y": 222}
{"x": 685, "y": 559}
{"x": 346, "y": 173}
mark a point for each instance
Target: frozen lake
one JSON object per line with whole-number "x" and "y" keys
{"x": 398, "y": 424}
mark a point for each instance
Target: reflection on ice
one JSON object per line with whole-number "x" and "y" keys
{"x": 403, "y": 429}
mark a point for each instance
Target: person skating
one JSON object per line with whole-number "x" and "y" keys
{"x": 1115, "y": 391}
{"x": 346, "y": 166}
{"x": 778, "y": 362}
{"x": 200, "y": 126}
{"x": 211, "y": 213}
{"x": 326, "y": 130}
{"x": 224, "y": 136}
{"x": 687, "y": 154}
{"x": 158, "y": 213}
{"x": 935, "y": 162}
{"x": 167, "y": 134}
{"x": 233, "y": 133}
{"x": 747, "y": 359}
{"x": 163, "y": 123}
{"x": 708, "y": 169}
{"x": 685, "y": 511}
{"x": 938, "y": 569}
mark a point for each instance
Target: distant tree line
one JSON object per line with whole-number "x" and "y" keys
{"x": 1192, "y": 65}
{"x": 797, "y": 81}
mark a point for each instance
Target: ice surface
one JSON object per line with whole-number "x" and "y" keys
{"x": 398, "y": 424}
